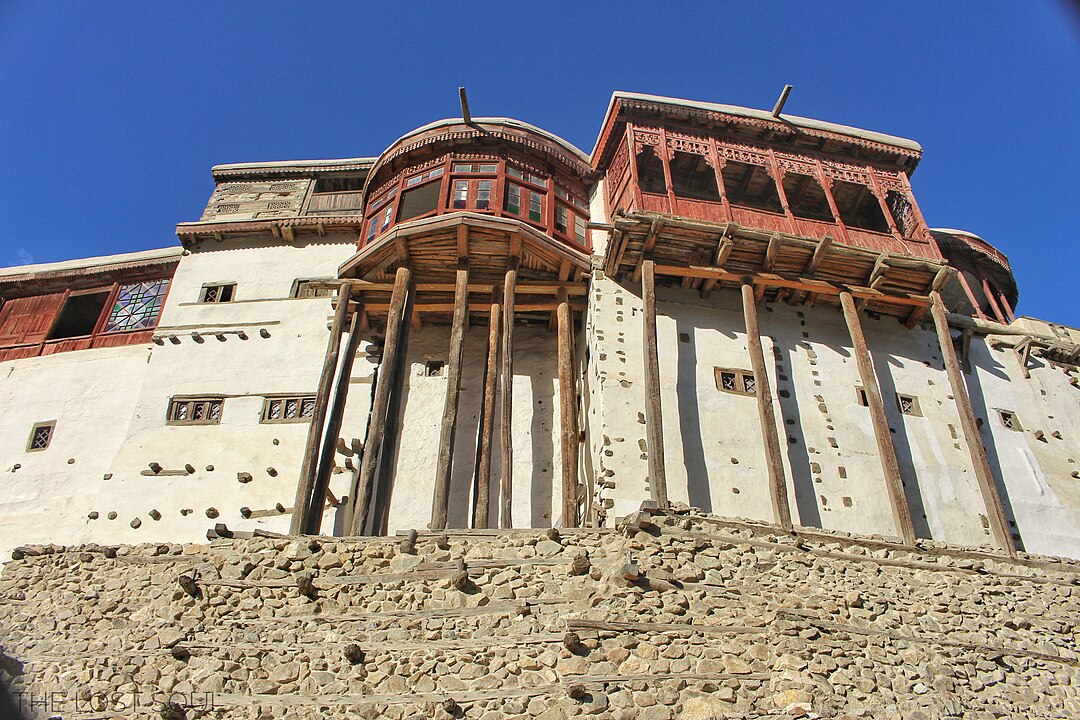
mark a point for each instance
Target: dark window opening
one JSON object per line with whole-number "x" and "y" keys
{"x": 908, "y": 405}
{"x": 859, "y": 207}
{"x": 650, "y": 170}
{"x": 806, "y": 197}
{"x": 79, "y": 316}
{"x": 434, "y": 368}
{"x": 903, "y": 212}
{"x": 751, "y": 186}
{"x": 693, "y": 178}
{"x": 860, "y": 395}
{"x": 339, "y": 184}
{"x": 419, "y": 201}
{"x": 740, "y": 382}
{"x": 1009, "y": 420}
{"x": 217, "y": 293}
{"x": 40, "y": 436}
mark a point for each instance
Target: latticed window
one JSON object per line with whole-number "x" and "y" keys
{"x": 195, "y": 411}
{"x": 217, "y": 293}
{"x": 288, "y": 409}
{"x": 137, "y": 306}
{"x": 908, "y": 404}
{"x": 40, "y": 436}
{"x": 740, "y": 382}
{"x": 1009, "y": 420}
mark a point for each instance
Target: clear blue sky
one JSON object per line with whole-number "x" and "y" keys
{"x": 111, "y": 114}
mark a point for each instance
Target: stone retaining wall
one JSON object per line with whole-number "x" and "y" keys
{"x": 675, "y": 616}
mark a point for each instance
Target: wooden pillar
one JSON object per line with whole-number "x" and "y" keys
{"x": 994, "y": 510}
{"x": 313, "y": 521}
{"x": 875, "y": 188}
{"x": 826, "y": 187}
{"x": 309, "y": 465}
{"x": 1006, "y": 307}
{"x": 450, "y": 406}
{"x": 506, "y": 484}
{"x": 778, "y": 179}
{"x": 886, "y": 451}
{"x": 998, "y": 314}
{"x": 487, "y": 420}
{"x": 970, "y": 295}
{"x": 384, "y": 477}
{"x": 662, "y": 150}
{"x": 654, "y": 422}
{"x": 364, "y": 486}
{"x": 766, "y": 413}
{"x": 718, "y": 170}
{"x": 568, "y": 413}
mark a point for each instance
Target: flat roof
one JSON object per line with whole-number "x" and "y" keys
{"x": 141, "y": 257}
{"x": 809, "y": 123}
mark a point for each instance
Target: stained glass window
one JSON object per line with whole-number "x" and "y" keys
{"x": 137, "y": 306}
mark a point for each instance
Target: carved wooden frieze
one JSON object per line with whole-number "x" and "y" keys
{"x": 617, "y": 169}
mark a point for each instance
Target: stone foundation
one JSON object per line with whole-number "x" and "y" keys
{"x": 675, "y": 616}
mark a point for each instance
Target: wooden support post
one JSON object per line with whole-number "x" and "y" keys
{"x": 445, "y": 467}
{"x": 309, "y": 465}
{"x": 654, "y": 422}
{"x": 1007, "y": 308}
{"x": 384, "y": 477}
{"x": 994, "y": 510}
{"x": 487, "y": 421}
{"x": 998, "y": 314}
{"x": 568, "y": 413}
{"x": 364, "y": 485}
{"x": 886, "y": 451}
{"x": 312, "y": 523}
{"x": 506, "y": 485}
{"x": 766, "y": 413}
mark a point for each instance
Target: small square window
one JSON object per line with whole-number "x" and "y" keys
{"x": 217, "y": 293}
{"x": 195, "y": 411}
{"x": 314, "y": 288}
{"x": 908, "y": 404}
{"x": 288, "y": 409}
{"x": 40, "y": 436}
{"x": 434, "y": 368}
{"x": 1009, "y": 420}
{"x": 740, "y": 382}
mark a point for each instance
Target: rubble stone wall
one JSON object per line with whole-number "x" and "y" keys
{"x": 667, "y": 616}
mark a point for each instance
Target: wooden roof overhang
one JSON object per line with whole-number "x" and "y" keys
{"x": 89, "y": 276}
{"x": 286, "y": 229}
{"x": 501, "y": 136}
{"x": 798, "y": 269}
{"x": 801, "y": 135}
{"x": 435, "y": 248}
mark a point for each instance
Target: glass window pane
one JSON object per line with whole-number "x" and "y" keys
{"x": 483, "y": 195}
{"x": 513, "y": 199}
{"x": 561, "y": 218}
{"x": 488, "y": 168}
{"x": 386, "y": 218}
{"x": 536, "y": 207}
{"x": 461, "y": 194}
{"x": 511, "y": 170}
{"x": 579, "y": 229}
{"x": 137, "y": 306}
{"x": 463, "y": 168}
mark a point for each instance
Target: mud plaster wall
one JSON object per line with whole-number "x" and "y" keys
{"x": 726, "y": 619}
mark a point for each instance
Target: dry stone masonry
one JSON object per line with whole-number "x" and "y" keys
{"x": 677, "y": 615}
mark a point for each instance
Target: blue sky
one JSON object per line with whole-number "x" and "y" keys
{"x": 111, "y": 114}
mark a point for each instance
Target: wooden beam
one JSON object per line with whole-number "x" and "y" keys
{"x": 654, "y": 423}
{"x": 448, "y": 307}
{"x": 506, "y": 484}
{"x": 569, "y": 419}
{"x": 772, "y": 251}
{"x": 797, "y": 283}
{"x": 877, "y": 276}
{"x": 463, "y": 242}
{"x": 364, "y": 482}
{"x": 487, "y": 420}
{"x": 766, "y": 413}
{"x": 820, "y": 251}
{"x": 886, "y": 451}
{"x": 533, "y": 287}
{"x": 445, "y": 465}
{"x": 309, "y": 465}
{"x": 646, "y": 248}
{"x": 312, "y": 521}
{"x": 917, "y": 313}
{"x": 994, "y": 510}
{"x": 723, "y": 252}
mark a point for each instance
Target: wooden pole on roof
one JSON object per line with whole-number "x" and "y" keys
{"x": 568, "y": 413}
{"x": 886, "y": 451}
{"x": 506, "y": 486}
{"x": 654, "y": 422}
{"x": 450, "y": 406}
{"x": 766, "y": 414}
{"x": 313, "y": 522}
{"x": 308, "y": 466}
{"x": 364, "y": 487}
{"x": 995, "y": 512}
{"x": 487, "y": 419}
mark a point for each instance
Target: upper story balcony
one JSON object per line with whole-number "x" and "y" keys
{"x": 493, "y": 166}
{"x": 788, "y": 175}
